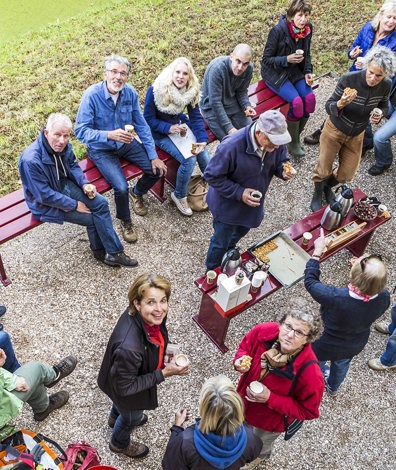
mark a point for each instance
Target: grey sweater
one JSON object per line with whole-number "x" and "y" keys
{"x": 353, "y": 119}
{"x": 224, "y": 93}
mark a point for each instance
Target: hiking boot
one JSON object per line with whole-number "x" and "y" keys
{"x": 313, "y": 139}
{"x": 120, "y": 259}
{"x": 137, "y": 203}
{"x": 181, "y": 204}
{"x": 135, "y": 450}
{"x": 376, "y": 170}
{"x": 111, "y": 421}
{"x": 317, "y": 198}
{"x": 64, "y": 368}
{"x": 57, "y": 400}
{"x": 382, "y": 327}
{"x": 128, "y": 232}
{"x": 376, "y": 364}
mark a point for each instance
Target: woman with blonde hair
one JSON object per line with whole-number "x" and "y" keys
{"x": 347, "y": 312}
{"x": 175, "y": 91}
{"x": 219, "y": 439}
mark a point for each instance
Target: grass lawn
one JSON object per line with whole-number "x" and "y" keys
{"x": 47, "y": 71}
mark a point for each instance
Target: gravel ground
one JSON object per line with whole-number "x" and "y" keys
{"x": 62, "y": 301}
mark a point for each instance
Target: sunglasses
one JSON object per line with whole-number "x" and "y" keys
{"x": 363, "y": 261}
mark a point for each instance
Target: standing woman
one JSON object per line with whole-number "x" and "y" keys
{"x": 288, "y": 73}
{"x": 174, "y": 90}
{"x": 133, "y": 364}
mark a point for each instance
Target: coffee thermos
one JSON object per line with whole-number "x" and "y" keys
{"x": 345, "y": 198}
{"x": 332, "y": 216}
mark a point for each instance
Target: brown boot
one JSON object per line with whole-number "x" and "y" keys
{"x": 128, "y": 232}
{"x": 135, "y": 450}
{"x": 56, "y": 400}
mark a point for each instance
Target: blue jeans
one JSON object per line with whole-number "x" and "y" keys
{"x": 186, "y": 164}
{"x": 238, "y": 120}
{"x": 11, "y": 363}
{"x": 338, "y": 372}
{"x": 381, "y": 139}
{"x": 126, "y": 421}
{"x": 389, "y": 357}
{"x": 108, "y": 163}
{"x": 100, "y": 228}
{"x": 224, "y": 238}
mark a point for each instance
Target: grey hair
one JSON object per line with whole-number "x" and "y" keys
{"x": 58, "y": 118}
{"x": 116, "y": 58}
{"x": 389, "y": 5}
{"x": 382, "y": 56}
{"x": 312, "y": 320}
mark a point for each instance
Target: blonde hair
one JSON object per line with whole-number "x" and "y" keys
{"x": 165, "y": 78}
{"x": 142, "y": 284}
{"x": 369, "y": 275}
{"x": 220, "y": 407}
{"x": 389, "y": 5}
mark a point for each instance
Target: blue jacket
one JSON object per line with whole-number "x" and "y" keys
{"x": 41, "y": 185}
{"x": 234, "y": 167}
{"x": 160, "y": 123}
{"x": 365, "y": 40}
{"x": 98, "y": 114}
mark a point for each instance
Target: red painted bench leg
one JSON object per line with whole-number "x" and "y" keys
{"x": 172, "y": 165}
{"x": 359, "y": 246}
{"x": 214, "y": 325}
{"x": 158, "y": 190}
{"x": 3, "y": 275}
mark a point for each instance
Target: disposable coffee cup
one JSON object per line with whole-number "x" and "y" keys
{"x": 307, "y": 236}
{"x": 359, "y": 62}
{"x": 129, "y": 128}
{"x": 376, "y": 112}
{"x": 171, "y": 351}
{"x": 381, "y": 209}
{"x": 256, "y": 194}
{"x": 90, "y": 191}
{"x": 239, "y": 277}
{"x": 311, "y": 80}
{"x": 299, "y": 52}
{"x": 210, "y": 277}
{"x": 183, "y": 130}
{"x": 181, "y": 360}
{"x": 256, "y": 386}
{"x": 221, "y": 278}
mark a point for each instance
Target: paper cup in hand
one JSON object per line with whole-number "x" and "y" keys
{"x": 256, "y": 387}
{"x": 181, "y": 360}
{"x": 299, "y": 52}
{"x": 376, "y": 113}
{"x": 90, "y": 190}
{"x": 256, "y": 194}
{"x": 183, "y": 130}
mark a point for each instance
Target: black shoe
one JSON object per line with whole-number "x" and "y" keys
{"x": 120, "y": 259}
{"x": 99, "y": 255}
{"x": 313, "y": 139}
{"x": 64, "y": 368}
{"x": 57, "y": 400}
{"x": 111, "y": 421}
{"x": 376, "y": 170}
{"x": 2, "y": 310}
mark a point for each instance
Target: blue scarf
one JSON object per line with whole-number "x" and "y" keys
{"x": 220, "y": 451}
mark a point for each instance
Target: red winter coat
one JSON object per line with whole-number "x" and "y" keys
{"x": 307, "y": 395}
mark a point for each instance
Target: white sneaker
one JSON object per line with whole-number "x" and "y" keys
{"x": 181, "y": 204}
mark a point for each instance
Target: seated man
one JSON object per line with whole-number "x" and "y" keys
{"x": 56, "y": 190}
{"x": 28, "y": 384}
{"x": 225, "y": 105}
{"x": 105, "y": 109}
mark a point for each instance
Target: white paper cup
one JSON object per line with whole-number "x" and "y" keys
{"x": 256, "y": 386}
{"x": 376, "y": 112}
{"x": 256, "y": 194}
{"x": 181, "y": 360}
{"x": 129, "y": 128}
{"x": 89, "y": 188}
{"x": 381, "y": 209}
{"x": 210, "y": 277}
{"x": 299, "y": 52}
{"x": 307, "y": 236}
{"x": 258, "y": 278}
{"x": 222, "y": 277}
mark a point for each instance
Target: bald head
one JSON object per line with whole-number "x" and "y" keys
{"x": 243, "y": 49}
{"x": 240, "y": 59}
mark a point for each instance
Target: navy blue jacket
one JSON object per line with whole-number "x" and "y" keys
{"x": 41, "y": 185}
{"x": 234, "y": 167}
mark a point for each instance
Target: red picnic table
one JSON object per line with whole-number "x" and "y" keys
{"x": 214, "y": 321}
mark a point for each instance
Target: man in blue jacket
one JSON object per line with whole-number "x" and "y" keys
{"x": 243, "y": 166}
{"x": 105, "y": 109}
{"x": 56, "y": 190}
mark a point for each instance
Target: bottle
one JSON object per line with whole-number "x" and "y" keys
{"x": 332, "y": 216}
{"x": 345, "y": 198}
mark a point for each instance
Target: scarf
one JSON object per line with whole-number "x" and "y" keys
{"x": 156, "y": 337}
{"x": 274, "y": 358}
{"x": 171, "y": 100}
{"x": 298, "y": 33}
{"x": 355, "y": 290}
{"x": 220, "y": 451}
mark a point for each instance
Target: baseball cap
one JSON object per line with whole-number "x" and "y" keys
{"x": 273, "y": 124}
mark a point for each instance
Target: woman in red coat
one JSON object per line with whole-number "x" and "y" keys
{"x": 278, "y": 351}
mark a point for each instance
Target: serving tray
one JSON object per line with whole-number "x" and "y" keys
{"x": 287, "y": 261}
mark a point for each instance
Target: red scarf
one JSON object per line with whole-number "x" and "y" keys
{"x": 298, "y": 33}
{"x": 355, "y": 290}
{"x": 156, "y": 337}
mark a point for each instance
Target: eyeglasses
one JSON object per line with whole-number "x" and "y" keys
{"x": 297, "y": 333}
{"x": 117, "y": 72}
{"x": 363, "y": 261}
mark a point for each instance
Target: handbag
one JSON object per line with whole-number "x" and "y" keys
{"x": 81, "y": 456}
{"x": 196, "y": 193}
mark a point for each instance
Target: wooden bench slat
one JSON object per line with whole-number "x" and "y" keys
{"x": 11, "y": 199}
{"x": 17, "y": 227}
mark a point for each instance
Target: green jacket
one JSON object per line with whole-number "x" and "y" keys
{"x": 10, "y": 405}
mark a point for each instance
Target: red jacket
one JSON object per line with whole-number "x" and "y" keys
{"x": 307, "y": 395}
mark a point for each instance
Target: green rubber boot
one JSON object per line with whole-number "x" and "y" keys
{"x": 294, "y": 146}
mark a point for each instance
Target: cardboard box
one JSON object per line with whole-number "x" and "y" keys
{"x": 230, "y": 294}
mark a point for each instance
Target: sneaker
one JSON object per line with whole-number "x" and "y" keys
{"x": 182, "y": 204}
{"x": 137, "y": 203}
{"x": 331, "y": 393}
{"x": 111, "y": 421}
{"x": 57, "y": 400}
{"x": 128, "y": 232}
{"x": 120, "y": 259}
{"x": 64, "y": 368}
{"x": 376, "y": 364}
{"x": 382, "y": 327}
{"x": 135, "y": 450}
{"x": 377, "y": 170}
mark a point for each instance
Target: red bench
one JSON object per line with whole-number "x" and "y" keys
{"x": 214, "y": 321}
{"x": 16, "y": 218}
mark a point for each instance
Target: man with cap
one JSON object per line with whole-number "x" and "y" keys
{"x": 244, "y": 163}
